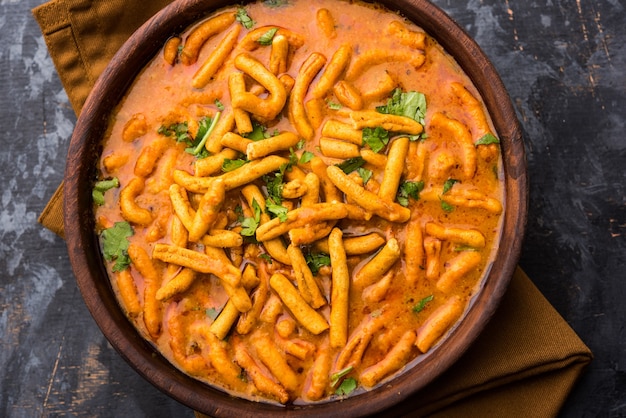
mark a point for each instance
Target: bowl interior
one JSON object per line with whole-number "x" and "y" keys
{"x": 92, "y": 278}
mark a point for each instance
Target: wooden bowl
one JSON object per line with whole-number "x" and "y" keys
{"x": 94, "y": 284}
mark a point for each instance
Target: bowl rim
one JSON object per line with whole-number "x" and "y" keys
{"x": 92, "y": 279}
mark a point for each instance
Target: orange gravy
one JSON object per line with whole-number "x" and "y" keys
{"x": 391, "y": 308}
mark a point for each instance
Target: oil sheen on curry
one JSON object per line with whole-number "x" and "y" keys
{"x": 297, "y": 199}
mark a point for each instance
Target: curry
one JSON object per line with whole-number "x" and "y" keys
{"x": 297, "y": 199}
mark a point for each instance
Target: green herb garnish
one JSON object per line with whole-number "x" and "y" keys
{"x": 447, "y": 185}
{"x": 274, "y": 186}
{"x": 115, "y": 245}
{"x": 315, "y": 261}
{"x": 376, "y": 138}
{"x": 409, "y": 189}
{"x": 207, "y": 125}
{"x": 180, "y": 131}
{"x": 446, "y": 206}
{"x": 277, "y": 211}
{"x": 249, "y": 225}
{"x": 487, "y": 139}
{"x": 461, "y": 248}
{"x": 212, "y": 313}
{"x": 230, "y": 165}
{"x": 365, "y": 174}
{"x": 333, "y": 105}
{"x": 293, "y": 160}
{"x": 336, "y": 377}
{"x": 306, "y": 157}
{"x": 351, "y": 164}
{"x": 422, "y": 304}
{"x": 347, "y": 387}
{"x": 101, "y": 187}
{"x": 267, "y": 37}
{"x": 243, "y": 18}
{"x": 239, "y": 213}
{"x": 411, "y": 104}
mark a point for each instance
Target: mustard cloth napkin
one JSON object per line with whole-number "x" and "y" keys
{"x": 526, "y": 361}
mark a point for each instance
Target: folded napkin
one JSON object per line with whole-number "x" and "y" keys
{"x": 525, "y": 362}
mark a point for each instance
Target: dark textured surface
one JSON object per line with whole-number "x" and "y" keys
{"x": 564, "y": 64}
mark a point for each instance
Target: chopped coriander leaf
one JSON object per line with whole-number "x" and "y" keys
{"x": 267, "y": 37}
{"x": 447, "y": 185}
{"x": 316, "y": 260}
{"x": 115, "y": 245}
{"x": 249, "y": 225}
{"x": 230, "y": 165}
{"x": 306, "y": 157}
{"x": 202, "y": 152}
{"x": 266, "y": 257}
{"x": 351, "y": 164}
{"x": 207, "y": 125}
{"x": 447, "y": 207}
{"x": 332, "y": 105}
{"x": 212, "y": 313}
{"x": 105, "y": 185}
{"x": 376, "y": 138}
{"x": 336, "y": 377}
{"x": 180, "y": 131}
{"x": 487, "y": 139}
{"x": 365, "y": 174}
{"x": 409, "y": 189}
{"x": 301, "y": 143}
{"x": 293, "y": 159}
{"x": 287, "y": 166}
{"x": 243, "y": 18}
{"x": 402, "y": 200}
{"x": 203, "y": 126}
{"x": 347, "y": 387}
{"x": 464, "y": 248}
{"x": 274, "y": 185}
{"x": 256, "y": 210}
{"x": 422, "y": 303}
{"x": 278, "y": 211}
{"x": 257, "y": 134}
{"x": 101, "y": 187}
{"x": 239, "y": 213}
{"x": 220, "y": 105}
{"x": 411, "y": 104}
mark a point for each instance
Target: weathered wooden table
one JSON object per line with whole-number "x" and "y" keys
{"x": 564, "y": 64}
